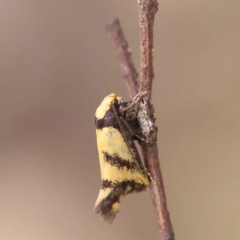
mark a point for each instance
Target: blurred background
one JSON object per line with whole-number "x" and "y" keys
{"x": 57, "y": 64}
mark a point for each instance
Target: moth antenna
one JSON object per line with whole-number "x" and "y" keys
{"x": 135, "y": 101}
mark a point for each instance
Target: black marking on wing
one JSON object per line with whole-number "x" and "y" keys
{"x": 109, "y": 119}
{"x": 105, "y": 207}
{"x": 115, "y": 160}
{"x": 123, "y": 187}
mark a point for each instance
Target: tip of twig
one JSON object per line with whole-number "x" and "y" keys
{"x": 115, "y": 23}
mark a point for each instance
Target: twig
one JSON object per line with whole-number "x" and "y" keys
{"x": 158, "y": 193}
{"x": 147, "y": 11}
{"x": 129, "y": 72}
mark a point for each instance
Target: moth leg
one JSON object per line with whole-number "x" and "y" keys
{"x": 128, "y": 133}
{"x": 134, "y": 102}
{"x": 129, "y": 141}
{"x": 133, "y": 134}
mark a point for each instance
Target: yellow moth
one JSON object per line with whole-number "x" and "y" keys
{"x": 122, "y": 171}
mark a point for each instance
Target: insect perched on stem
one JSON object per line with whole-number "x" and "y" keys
{"x": 118, "y": 124}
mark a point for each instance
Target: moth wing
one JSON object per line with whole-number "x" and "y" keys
{"x": 120, "y": 172}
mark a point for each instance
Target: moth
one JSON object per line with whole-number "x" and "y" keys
{"x": 122, "y": 170}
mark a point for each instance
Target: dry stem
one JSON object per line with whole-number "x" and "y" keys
{"x": 147, "y": 11}
{"x": 129, "y": 72}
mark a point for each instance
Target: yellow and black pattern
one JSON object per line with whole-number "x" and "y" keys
{"x": 122, "y": 171}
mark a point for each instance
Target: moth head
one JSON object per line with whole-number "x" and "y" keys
{"x": 106, "y": 105}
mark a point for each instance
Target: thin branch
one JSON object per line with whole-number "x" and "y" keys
{"x": 158, "y": 192}
{"x": 129, "y": 72}
{"x": 147, "y": 11}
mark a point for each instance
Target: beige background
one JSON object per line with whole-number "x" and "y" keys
{"x": 57, "y": 64}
